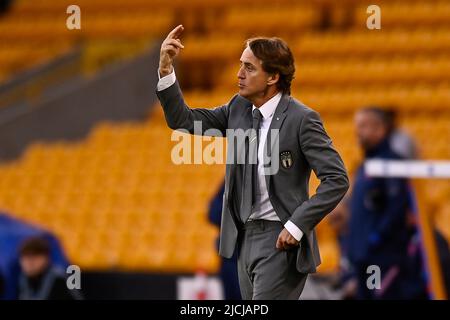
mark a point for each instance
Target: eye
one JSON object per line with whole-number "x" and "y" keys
{"x": 247, "y": 67}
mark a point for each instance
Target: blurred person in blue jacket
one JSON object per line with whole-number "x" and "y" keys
{"x": 228, "y": 267}
{"x": 379, "y": 231}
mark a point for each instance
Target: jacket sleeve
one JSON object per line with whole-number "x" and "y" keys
{"x": 328, "y": 166}
{"x": 179, "y": 116}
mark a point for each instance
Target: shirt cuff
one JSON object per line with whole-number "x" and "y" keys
{"x": 166, "y": 81}
{"x": 293, "y": 230}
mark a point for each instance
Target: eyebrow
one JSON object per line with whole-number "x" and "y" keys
{"x": 247, "y": 64}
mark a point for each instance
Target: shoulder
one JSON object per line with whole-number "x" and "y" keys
{"x": 300, "y": 111}
{"x": 298, "y": 107}
{"x": 388, "y": 152}
{"x": 238, "y": 104}
{"x": 238, "y": 100}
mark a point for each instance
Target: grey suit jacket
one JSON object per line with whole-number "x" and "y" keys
{"x": 302, "y": 134}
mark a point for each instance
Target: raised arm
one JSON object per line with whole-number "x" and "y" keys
{"x": 170, "y": 49}
{"x": 178, "y": 115}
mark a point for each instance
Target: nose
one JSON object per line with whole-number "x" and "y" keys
{"x": 240, "y": 73}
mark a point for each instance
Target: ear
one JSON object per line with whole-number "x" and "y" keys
{"x": 273, "y": 78}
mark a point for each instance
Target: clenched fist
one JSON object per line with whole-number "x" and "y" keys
{"x": 170, "y": 48}
{"x": 286, "y": 241}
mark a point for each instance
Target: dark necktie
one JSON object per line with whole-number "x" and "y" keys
{"x": 250, "y": 181}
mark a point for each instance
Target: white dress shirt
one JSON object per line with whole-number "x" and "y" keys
{"x": 262, "y": 209}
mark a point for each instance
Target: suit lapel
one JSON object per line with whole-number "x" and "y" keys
{"x": 277, "y": 121}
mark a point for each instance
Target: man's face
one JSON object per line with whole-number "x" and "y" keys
{"x": 370, "y": 130}
{"x": 252, "y": 78}
{"x": 33, "y": 264}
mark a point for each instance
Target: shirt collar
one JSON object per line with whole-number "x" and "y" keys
{"x": 268, "y": 108}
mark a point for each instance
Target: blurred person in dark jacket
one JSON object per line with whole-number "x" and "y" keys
{"x": 39, "y": 279}
{"x": 379, "y": 232}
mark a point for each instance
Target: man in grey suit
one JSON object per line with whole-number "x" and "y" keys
{"x": 268, "y": 216}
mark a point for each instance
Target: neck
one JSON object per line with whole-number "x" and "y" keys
{"x": 266, "y": 96}
{"x": 376, "y": 148}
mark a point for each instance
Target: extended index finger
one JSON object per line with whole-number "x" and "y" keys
{"x": 175, "y": 33}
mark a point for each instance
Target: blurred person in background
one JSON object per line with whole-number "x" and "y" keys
{"x": 379, "y": 232}
{"x": 39, "y": 279}
{"x": 228, "y": 267}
